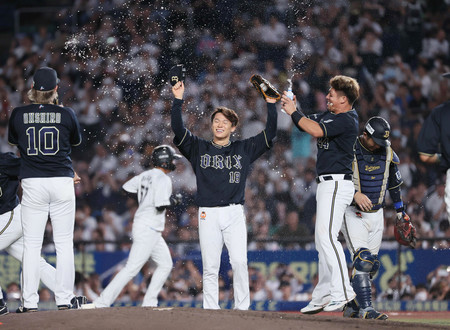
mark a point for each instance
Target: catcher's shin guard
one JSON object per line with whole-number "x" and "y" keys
{"x": 363, "y": 289}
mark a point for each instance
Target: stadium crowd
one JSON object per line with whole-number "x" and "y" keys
{"x": 113, "y": 66}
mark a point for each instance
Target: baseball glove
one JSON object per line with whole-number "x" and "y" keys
{"x": 177, "y": 73}
{"x": 264, "y": 87}
{"x": 404, "y": 231}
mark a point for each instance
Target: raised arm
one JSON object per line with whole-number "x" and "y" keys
{"x": 300, "y": 120}
{"x": 271, "y": 123}
{"x": 176, "y": 118}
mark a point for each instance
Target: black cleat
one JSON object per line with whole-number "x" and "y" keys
{"x": 22, "y": 309}
{"x": 3, "y": 308}
{"x": 75, "y": 303}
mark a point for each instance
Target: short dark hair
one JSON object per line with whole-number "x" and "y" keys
{"x": 229, "y": 114}
{"x": 347, "y": 85}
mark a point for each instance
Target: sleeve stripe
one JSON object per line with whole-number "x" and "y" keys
{"x": 265, "y": 137}
{"x": 396, "y": 186}
{"x": 426, "y": 154}
{"x": 185, "y": 133}
{"x": 324, "y": 129}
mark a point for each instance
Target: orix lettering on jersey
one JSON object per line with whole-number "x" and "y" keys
{"x": 219, "y": 162}
{"x": 42, "y": 118}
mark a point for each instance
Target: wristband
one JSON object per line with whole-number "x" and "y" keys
{"x": 399, "y": 206}
{"x": 296, "y": 116}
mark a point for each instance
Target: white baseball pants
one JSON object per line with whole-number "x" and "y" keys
{"x": 219, "y": 225}
{"x": 363, "y": 230}
{"x": 332, "y": 197}
{"x": 147, "y": 243}
{"x": 11, "y": 240}
{"x": 44, "y": 197}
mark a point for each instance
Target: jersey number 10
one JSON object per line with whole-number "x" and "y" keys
{"x": 46, "y": 141}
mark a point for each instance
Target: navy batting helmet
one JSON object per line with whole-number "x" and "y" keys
{"x": 379, "y": 130}
{"x": 163, "y": 157}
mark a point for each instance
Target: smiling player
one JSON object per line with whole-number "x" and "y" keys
{"x": 336, "y": 131}
{"x": 221, "y": 167}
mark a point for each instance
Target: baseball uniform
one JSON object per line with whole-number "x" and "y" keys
{"x": 334, "y": 194}
{"x": 375, "y": 173}
{"x": 11, "y": 235}
{"x": 221, "y": 172}
{"x": 44, "y": 134}
{"x": 434, "y": 138}
{"x": 153, "y": 189}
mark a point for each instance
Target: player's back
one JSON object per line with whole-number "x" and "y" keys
{"x": 153, "y": 189}
{"x": 44, "y": 134}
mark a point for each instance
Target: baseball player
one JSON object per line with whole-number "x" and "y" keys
{"x": 44, "y": 133}
{"x": 433, "y": 142}
{"x": 11, "y": 236}
{"x": 154, "y": 194}
{"x": 336, "y": 131}
{"x": 221, "y": 167}
{"x": 374, "y": 172}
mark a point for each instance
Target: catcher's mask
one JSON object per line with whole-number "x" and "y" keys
{"x": 379, "y": 130}
{"x": 163, "y": 157}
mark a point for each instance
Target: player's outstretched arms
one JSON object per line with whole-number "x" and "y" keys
{"x": 178, "y": 90}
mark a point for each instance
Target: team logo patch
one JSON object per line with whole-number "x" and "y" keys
{"x": 203, "y": 216}
{"x": 369, "y": 168}
{"x": 386, "y": 134}
{"x": 358, "y": 214}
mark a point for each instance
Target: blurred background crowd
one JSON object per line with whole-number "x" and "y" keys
{"x": 113, "y": 56}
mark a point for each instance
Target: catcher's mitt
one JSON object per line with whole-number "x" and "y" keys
{"x": 404, "y": 231}
{"x": 177, "y": 73}
{"x": 264, "y": 87}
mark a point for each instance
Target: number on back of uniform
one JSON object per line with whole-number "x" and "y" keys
{"x": 45, "y": 141}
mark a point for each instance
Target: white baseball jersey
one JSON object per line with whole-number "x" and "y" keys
{"x": 153, "y": 189}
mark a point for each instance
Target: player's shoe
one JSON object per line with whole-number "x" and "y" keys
{"x": 22, "y": 309}
{"x": 75, "y": 303}
{"x": 312, "y": 308}
{"x": 371, "y": 313}
{"x": 337, "y": 305}
{"x": 351, "y": 310}
{"x": 3, "y": 308}
{"x": 88, "y": 306}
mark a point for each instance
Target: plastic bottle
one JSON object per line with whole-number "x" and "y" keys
{"x": 289, "y": 92}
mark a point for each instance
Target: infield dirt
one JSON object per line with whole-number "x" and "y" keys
{"x": 125, "y": 318}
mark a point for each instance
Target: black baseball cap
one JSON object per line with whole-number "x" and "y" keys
{"x": 45, "y": 79}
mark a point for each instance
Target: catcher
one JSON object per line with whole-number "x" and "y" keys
{"x": 374, "y": 172}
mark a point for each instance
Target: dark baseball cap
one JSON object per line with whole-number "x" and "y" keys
{"x": 446, "y": 75}
{"x": 45, "y": 79}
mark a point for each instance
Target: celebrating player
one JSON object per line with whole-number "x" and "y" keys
{"x": 433, "y": 134}
{"x": 221, "y": 167}
{"x": 11, "y": 236}
{"x": 336, "y": 131}
{"x": 154, "y": 189}
{"x": 374, "y": 172}
{"x": 44, "y": 133}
